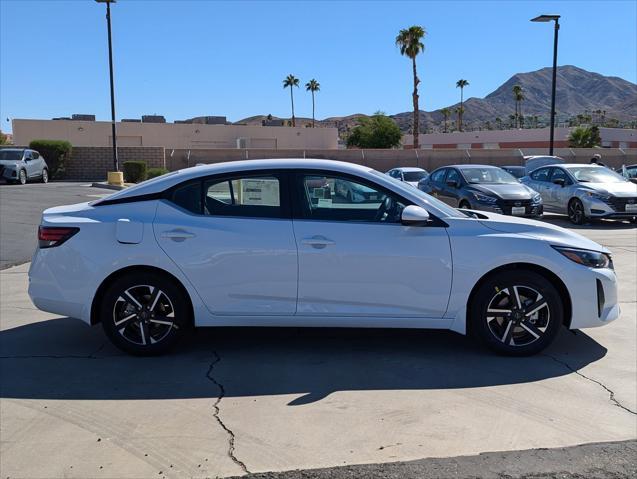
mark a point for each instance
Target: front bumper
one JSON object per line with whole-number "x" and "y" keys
{"x": 615, "y": 207}
{"x": 8, "y": 174}
{"x": 593, "y": 298}
{"x": 506, "y": 208}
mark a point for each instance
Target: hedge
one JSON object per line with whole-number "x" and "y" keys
{"x": 134, "y": 171}
{"x": 155, "y": 172}
{"x": 55, "y": 153}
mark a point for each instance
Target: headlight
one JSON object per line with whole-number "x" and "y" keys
{"x": 484, "y": 198}
{"x": 585, "y": 257}
{"x": 597, "y": 196}
{"x": 537, "y": 199}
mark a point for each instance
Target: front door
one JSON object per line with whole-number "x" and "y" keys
{"x": 232, "y": 238}
{"x": 451, "y": 191}
{"x": 357, "y": 259}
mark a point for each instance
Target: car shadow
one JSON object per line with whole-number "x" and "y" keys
{"x": 597, "y": 224}
{"x": 64, "y": 359}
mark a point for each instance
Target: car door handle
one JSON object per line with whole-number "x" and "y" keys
{"x": 318, "y": 242}
{"x": 177, "y": 235}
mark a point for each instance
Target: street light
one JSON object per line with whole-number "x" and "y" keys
{"x": 555, "y": 18}
{"x": 110, "y": 66}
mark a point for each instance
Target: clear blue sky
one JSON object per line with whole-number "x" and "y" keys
{"x": 190, "y": 58}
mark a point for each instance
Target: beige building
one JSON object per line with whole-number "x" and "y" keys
{"x": 174, "y": 135}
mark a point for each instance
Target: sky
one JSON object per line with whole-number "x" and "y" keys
{"x": 189, "y": 58}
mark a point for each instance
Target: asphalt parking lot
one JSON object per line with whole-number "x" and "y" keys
{"x": 21, "y": 207}
{"x": 378, "y": 403}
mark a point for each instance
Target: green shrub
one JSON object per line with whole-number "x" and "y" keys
{"x": 134, "y": 171}
{"x": 55, "y": 153}
{"x": 155, "y": 172}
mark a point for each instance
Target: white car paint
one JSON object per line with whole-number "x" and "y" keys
{"x": 272, "y": 272}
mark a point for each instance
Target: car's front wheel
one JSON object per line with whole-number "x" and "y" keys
{"x": 22, "y": 177}
{"x": 576, "y": 212}
{"x": 45, "y": 175}
{"x": 144, "y": 314}
{"x": 517, "y": 312}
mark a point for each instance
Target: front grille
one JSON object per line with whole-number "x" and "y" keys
{"x": 619, "y": 204}
{"x": 506, "y": 206}
{"x": 510, "y": 203}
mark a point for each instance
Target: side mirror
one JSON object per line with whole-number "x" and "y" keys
{"x": 452, "y": 183}
{"x": 559, "y": 181}
{"x": 413, "y": 215}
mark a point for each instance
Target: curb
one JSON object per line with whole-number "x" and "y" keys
{"x": 107, "y": 186}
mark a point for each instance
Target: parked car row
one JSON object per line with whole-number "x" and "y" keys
{"x": 19, "y": 165}
{"x": 545, "y": 183}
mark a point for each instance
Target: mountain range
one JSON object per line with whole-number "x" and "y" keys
{"x": 578, "y": 92}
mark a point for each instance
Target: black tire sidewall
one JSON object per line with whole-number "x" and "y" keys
{"x": 20, "y": 177}
{"x": 583, "y": 218}
{"x": 179, "y": 302}
{"x": 486, "y": 291}
{"x": 45, "y": 176}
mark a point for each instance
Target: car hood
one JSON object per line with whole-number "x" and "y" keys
{"x": 626, "y": 189}
{"x": 508, "y": 191}
{"x": 412, "y": 183}
{"x": 9, "y": 162}
{"x": 541, "y": 230}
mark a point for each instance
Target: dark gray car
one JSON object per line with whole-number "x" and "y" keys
{"x": 482, "y": 187}
{"x": 19, "y": 165}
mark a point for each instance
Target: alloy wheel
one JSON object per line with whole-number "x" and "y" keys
{"x": 144, "y": 315}
{"x": 518, "y": 315}
{"x": 23, "y": 177}
{"x": 45, "y": 176}
{"x": 576, "y": 212}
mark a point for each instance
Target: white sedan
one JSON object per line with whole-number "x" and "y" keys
{"x": 271, "y": 243}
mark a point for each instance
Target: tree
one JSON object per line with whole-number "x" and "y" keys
{"x": 498, "y": 122}
{"x": 3, "y": 138}
{"x": 312, "y": 86}
{"x": 410, "y": 43}
{"x": 518, "y": 96}
{"x": 291, "y": 81}
{"x": 377, "y": 131}
{"x": 461, "y": 84}
{"x": 445, "y": 113}
{"x": 459, "y": 111}
{"x": 584, "y": 137}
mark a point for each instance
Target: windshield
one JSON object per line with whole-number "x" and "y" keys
{"x": 517, "y": 171}
{"x": 401, "y": 186}
{"x": 487, "y": 175}
{"x": 595, "y": 174}
{"x": 10, "y": 155}
{"x": 414, "y": 175}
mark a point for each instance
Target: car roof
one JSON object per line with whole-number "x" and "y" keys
{"x": 164, "y": 182}
{"x": 409, "y": 168}
{"x": 472, "y": 166}
{"x": 13, "y": 149}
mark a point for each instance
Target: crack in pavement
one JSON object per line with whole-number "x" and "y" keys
{"x": 608, "y": 390}
{"x": 222, "y": 393}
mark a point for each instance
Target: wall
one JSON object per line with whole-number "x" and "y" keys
{"x": 172, "y": 135}
{"x": 92, "y": 163}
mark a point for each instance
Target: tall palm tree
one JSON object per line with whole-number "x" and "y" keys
{"x": 459, "y": 111}
{"x": 461, "y": 84}
{"x": 445, "y": 113}
{"x": 409, "y": 41}
{"x": 518, "y": 96}
{"x": 312, "y": 86}
{"x": 291, "y": 81}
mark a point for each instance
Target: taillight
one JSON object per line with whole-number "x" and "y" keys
{"x": 51, "y": 236}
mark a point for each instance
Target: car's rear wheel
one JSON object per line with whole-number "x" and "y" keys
{"x": 22, "y": 177}
{"x": 144, "y": 314}
{"x": 576, "y": 212}
{"x": 45, "y": 175}
{"x": 517, "y": 312}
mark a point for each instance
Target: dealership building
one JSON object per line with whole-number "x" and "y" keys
{"x": 196, "y": 133}
{"x": 523, "y": 138}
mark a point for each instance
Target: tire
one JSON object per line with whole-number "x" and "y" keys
{"x": 45, "y": 176}
{"x": 499, "y": 322}
{"x": 132, "y": 323}
{"x": 22, "y": 177}
{"x": 576, "y": 212}
{"x": 464, "y": 204}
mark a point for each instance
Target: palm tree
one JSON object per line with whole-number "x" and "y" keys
{"x": 312, "y": 86}
{"x": 518, "y": 96}
{"x": 409, "y": 41}
{"x": 291, "y": 81}
{"x": 461, "y": 84}
{"x": 445, "y": 113}
{"x": 459, "y": 111}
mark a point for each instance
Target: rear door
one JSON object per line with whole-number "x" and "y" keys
{"x": 232, "y": 237}
{"x": 451, "y": 194}
{"x": 437, "y": 183}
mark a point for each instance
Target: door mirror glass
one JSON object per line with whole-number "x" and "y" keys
{"x": 452, "y": 183}
{"x": 414, "y": 215}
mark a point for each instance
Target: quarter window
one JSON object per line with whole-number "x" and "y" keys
{"x": 335, "y": 198}
{"x": 188, "y": 196}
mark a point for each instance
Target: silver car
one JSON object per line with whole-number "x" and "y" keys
{"x": 584, "y": 192}
{"x": 19, "y": 165}
{"x": 408, "y": 174}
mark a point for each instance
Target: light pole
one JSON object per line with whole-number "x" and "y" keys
{"x": 556, "y": 19}
{"x": 110, "y": 67}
